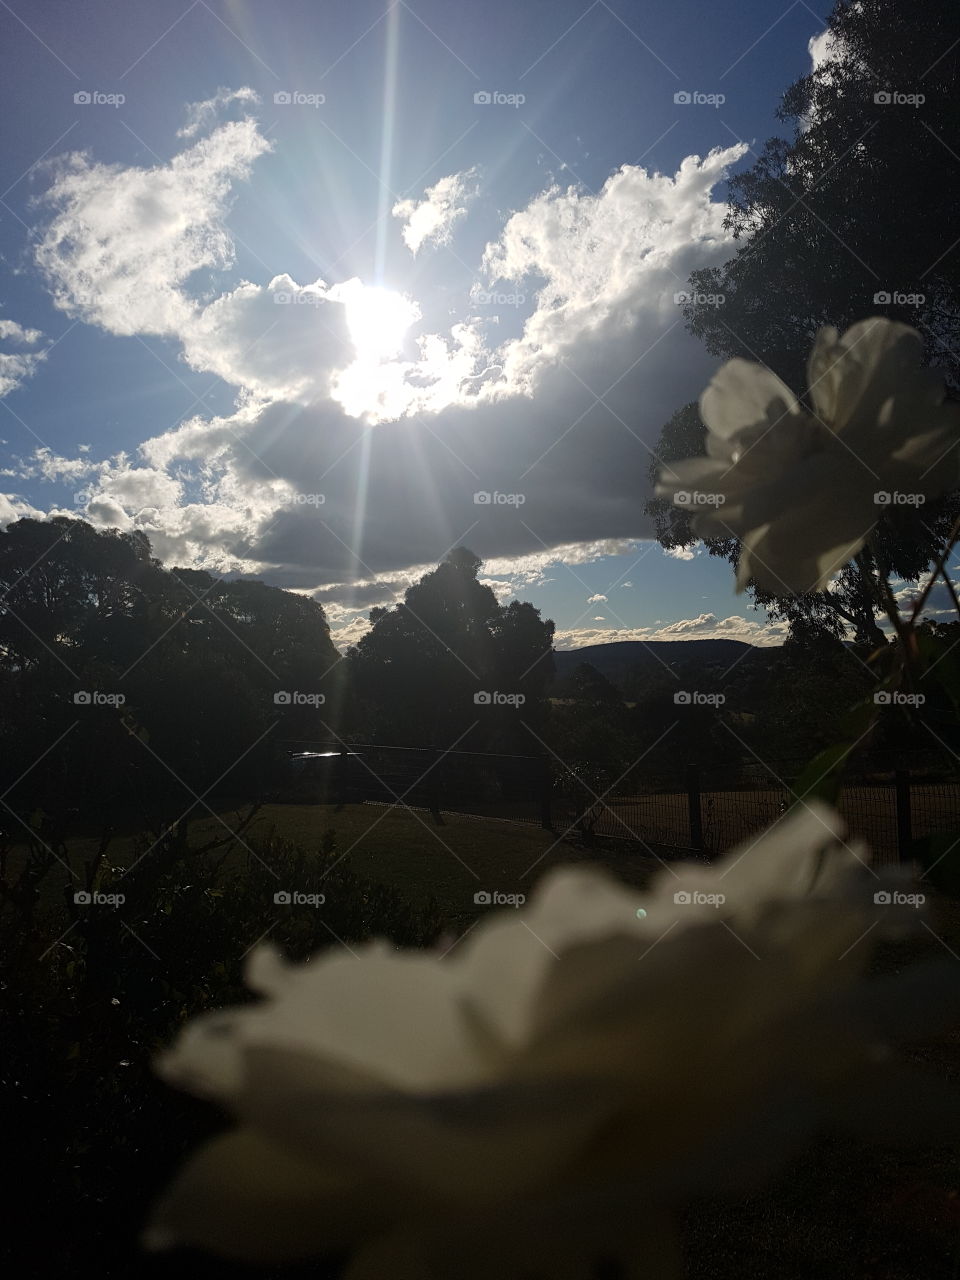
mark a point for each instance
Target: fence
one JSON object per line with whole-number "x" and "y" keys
{"x": 888, "y": 807}
{"x": 706, "y": 811}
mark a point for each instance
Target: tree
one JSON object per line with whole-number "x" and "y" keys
{"x": 429, "y": 668}
{"x": 859, "y": 205}
{"x": 128, "y": 684}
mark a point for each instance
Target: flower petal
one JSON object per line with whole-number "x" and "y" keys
{"x": 243, "y": 1197}
{"x": 742, "y": 395}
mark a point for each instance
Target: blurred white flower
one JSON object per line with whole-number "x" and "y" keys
{"x": 546, "y": 1094}
{"x": 800, "y": 489}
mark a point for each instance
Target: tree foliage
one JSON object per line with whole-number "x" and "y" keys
{"x": 856, "y": 206}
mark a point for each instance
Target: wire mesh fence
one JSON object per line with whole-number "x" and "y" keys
{"x": 886, "y": 804}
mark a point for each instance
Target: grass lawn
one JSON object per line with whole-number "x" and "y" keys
{"x": 422, "y": 859}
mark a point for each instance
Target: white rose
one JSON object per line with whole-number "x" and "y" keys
{"x": 543, "y": 1096}
{"x": 798, "y": 488}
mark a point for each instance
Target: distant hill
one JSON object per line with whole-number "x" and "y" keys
{"x": 623, "y": 657}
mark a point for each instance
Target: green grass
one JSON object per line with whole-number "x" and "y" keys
{"x": 422, "y": 859}
{"x": 409, "y": 850}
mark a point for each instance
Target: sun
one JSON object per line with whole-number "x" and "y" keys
{"x": 378, "y": 320}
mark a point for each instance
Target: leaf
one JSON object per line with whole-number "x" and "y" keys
{"x": 822, "y": 778}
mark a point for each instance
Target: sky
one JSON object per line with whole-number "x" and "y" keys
{"x": 314, "y": 292}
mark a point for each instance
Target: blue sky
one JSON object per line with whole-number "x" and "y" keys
{"x": 401, "y": 256}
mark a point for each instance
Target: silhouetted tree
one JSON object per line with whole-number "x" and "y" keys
{"x": 427, "y": 667}
{"x": 857, "y": 205}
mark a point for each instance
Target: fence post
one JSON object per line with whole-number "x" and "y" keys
{"x": 546, "y": 789}
{"x": 904, "y": 825}
{"x": 693, "y": 806}
{"x": 434, "y": 783}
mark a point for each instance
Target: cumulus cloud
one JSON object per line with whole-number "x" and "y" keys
{"x": 432, "y": 219}
{"x": 13, "y": 507}
{"x": 17, "y": 366}
{"x": 679, "y": 553}
{"x": 564, "y": 415}
{"x": 124, "y": 240}
{"x": 595, "y": 599}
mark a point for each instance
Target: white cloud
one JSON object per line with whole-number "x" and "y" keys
{"x": 705, "y": 627}
{"x": 47, "y": 465}
{"x": 129, "y": 249}
{"x": 280, "y": 341}
{"x": 13, "y": 507}
{"x": 123, "y": 241}
{"x": 595, "y": 599}
{"x": 202, "y": 114}
{"x": 680, "y": 553}
{"x": 17, "y": 366}
{"x": 614, "y": 259}
{"x": 431, "y": 220}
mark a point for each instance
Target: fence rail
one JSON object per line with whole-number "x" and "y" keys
{"x": 706, "y": 811}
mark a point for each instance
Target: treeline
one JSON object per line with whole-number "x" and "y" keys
{"x": 130, "y": 689}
